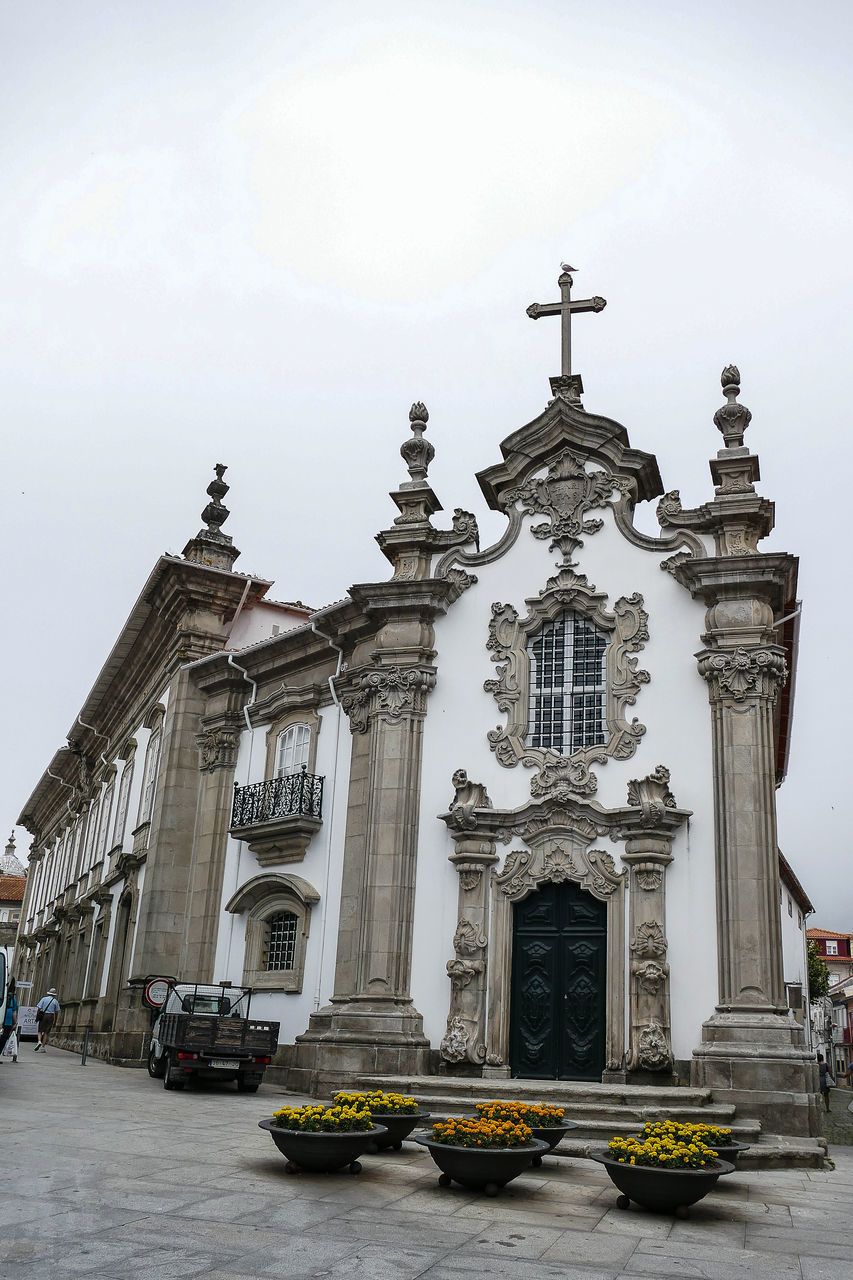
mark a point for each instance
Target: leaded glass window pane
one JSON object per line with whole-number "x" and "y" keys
{"x": 568, "y": 685}
{"x": 281, "y": 941}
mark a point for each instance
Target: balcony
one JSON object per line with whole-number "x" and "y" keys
{"x": 278, "y": 817}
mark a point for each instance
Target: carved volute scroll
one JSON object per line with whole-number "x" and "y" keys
{"x": 559, "y": 776}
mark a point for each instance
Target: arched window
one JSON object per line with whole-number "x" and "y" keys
{"x": 278, "y": 917}
{"x": 292, "y": 749}
{"x": 280, "y": 942}
{"x": 149, "y": 777}
{"x": 568, "y": 685}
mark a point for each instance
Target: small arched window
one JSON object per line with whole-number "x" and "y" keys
{"x": 568, "y": 685}
{"x": 292, "y": 749}
{"x": 280, "y": 948}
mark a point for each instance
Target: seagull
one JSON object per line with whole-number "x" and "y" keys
{"x": 564, "y": 266}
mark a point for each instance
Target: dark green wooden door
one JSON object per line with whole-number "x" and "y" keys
{"x": 559, "y": 970}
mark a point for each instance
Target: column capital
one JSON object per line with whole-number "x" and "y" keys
{"x": 389, "y": 693}
{"x": 744, "y": 674}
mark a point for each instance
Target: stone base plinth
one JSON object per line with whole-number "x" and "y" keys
{"x": 759, "y": 1062}
{"x": 356, "y": 1037}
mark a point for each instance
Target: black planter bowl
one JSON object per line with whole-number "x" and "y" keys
{"x": 731, "y": 1151}
{"x": 321, "y": 1152}
{"x": 552, "y": 1135}
{"x": 725, "y": 1151}
{"x": 484, "y": 1169}
{"x": 665, "y": 1190}
{"x": 399, "y": 1126}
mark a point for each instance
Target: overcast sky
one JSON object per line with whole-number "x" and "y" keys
{"x": 254, "y": 232}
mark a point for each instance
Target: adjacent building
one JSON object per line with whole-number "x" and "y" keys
{"x": 13, "y": 881}
{"x": 509, "y": 811}
{"x": 835, "y": 949}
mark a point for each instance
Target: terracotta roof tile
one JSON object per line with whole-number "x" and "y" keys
{"x": 12, "y": 888}
{"x": 826, "y": 933}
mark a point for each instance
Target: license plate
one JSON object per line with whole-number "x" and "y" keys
{"x": 224, "y": 1062}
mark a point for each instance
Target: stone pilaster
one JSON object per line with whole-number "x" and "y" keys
{"x": 371, "y": 1024}
{"x": 465, "y": 1037}
{"x": 751, "y": 1053}
{"x": 650, "y": 1051}
{"x": 217, "y": 746}
{"x": 164, "y": 903}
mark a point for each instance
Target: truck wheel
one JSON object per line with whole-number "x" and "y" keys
{"x": 245, "y": 1084}
{"x": 171, "y": 1079}
{"x": 156, "y": 1066}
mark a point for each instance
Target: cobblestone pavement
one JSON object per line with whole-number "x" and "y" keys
{"x": 838, "y": 1124}
{"x": 109, "y": 1175}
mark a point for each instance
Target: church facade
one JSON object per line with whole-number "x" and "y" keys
{"x": 508, "y": 812}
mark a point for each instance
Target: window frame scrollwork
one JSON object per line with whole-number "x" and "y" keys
{"x": 509, "y": 639}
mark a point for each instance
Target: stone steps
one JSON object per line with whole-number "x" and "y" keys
{"x": 603, "y": 1111}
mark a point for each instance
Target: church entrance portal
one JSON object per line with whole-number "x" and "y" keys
{"x": 559, "y": 970}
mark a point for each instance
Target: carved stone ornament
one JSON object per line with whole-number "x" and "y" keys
{"x": 468, "y": 795}
{"x": 470, "y": 877}
{"x": 558, "y": 776}
{"x": 649, "y": 941}
{"x": 416, "y": 452}
{"x": 217, "y": 748}
{"x": 389, "y": 692}
{"x": 565, "y": 495}
{"x": 733, "y": 418}
{"x": 652, "y": 1048}
{"x": 649, "y": 880}
{"x": 526, "y": 869}
{"x": 468, "y": 939}
{"x": 744, "y": 672}
{"x": 454, "y": 1043}
{"x": 650, "y": 974}
{"x": 559, "y": 865}
{"x": 652, "y": 794}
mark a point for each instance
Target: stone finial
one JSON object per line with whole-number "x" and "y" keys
{"x": 732, "y": 419}
{"x": 416, "y": 452}
{"x": 211, "y": 546}
{"x": 215, "y": 514}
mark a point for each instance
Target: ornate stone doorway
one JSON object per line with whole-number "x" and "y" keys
{"x": 559, "y": 985}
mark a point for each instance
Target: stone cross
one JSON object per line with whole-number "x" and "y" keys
{"x": 564, "y": 309}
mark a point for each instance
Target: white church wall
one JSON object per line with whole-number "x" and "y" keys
{"x": 321, "y": 867}
{"x": 261, "y": 622}
{"x": 461, "y": 713}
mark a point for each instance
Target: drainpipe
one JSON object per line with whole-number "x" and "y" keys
{"x": 333, "y": 789}
{"x": 82, "y": 722}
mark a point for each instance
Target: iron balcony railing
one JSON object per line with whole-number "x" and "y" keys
{"x": 295, "y": 795}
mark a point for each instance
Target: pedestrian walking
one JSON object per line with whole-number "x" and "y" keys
{"x": 826, "y": 1081}
{"x": 46, "y": 1010}
{"x": 10, "y": 1020}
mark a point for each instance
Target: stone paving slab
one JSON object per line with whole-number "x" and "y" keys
{"x": 111, "y": 1177}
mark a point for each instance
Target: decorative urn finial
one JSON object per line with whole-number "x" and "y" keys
{"x": 416, "y": 452}
{"x": 732, "y": 419}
